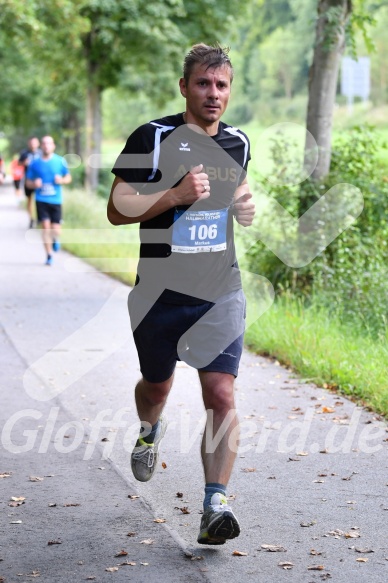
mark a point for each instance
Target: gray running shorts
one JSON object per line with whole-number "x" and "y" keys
{"x": 208, "y": 337}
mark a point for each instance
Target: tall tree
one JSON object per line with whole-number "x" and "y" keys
{"x": 333, "y": 16}
{"x": 140, "y": 36}
{"x": 336, "y": 26}
{"x": 97, "y": 41}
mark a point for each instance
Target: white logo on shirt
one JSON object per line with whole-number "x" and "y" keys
{"x": 184, "y": 147}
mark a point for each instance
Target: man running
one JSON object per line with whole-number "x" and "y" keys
{"x": 184, "y": 189}
{"x": 46, "y": 175}
{"x": 33, "y": 152}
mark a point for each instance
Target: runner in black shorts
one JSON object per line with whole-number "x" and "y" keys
{"x": 183, "y": 178}
{"x": 46, "y": 175}
{"x": 49, "y": 212}
{"x": 26, "y": 157}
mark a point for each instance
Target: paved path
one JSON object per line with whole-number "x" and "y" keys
{"x": 311, "y": 475}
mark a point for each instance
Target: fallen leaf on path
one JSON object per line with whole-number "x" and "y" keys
{"x": 16, "y": 522}
{"x": 306, "y": 524}
{"x": 324, "y": 450}
{"x": 92, "y": 578}
{"x": 164, "y": 465}
{"x": 6, "y": 475}
{"x": 160, "y": 520}
{"x": 121, "y": 553}
{"x": 144, "y": 564}
{"x": 130, "y": 563}
{"x": 273, "y": 548}
{"x": 68, "y": 504}
{"x": 248, "y": 470}
{"x": 362, "y": 560}
{"x": 239, "y": 554}
{"x": 358, "y": 550}
{"x": 315, "y": 568}
{"x": 179, "y": 494}
{"x": 51, "y": 504}
{"x": 184, "y": 510}
{"x": 302, "y": 453}
{"x": 33, "y": 574}
{"x": 327, "y": 410}
{"x": 346, "y": 479}
{"x": 286, "y": 565}
{"x": 35, "y": 479}
{"x": 54, "y": 542}
{"x": 131, "y": 534}
{"x": 314, "y": 552}
{"x": 17, "y": 498}
{"x": 147, "y": 541}
{"x": 293, "y": 459}
{"x": 111, "y": 569}
{"x": 104, "y": 439}
{"x": 352, "y": 534}
{"x": 133, "y": 496}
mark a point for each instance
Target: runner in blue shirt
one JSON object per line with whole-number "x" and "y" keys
{"x": 46, "y": 175}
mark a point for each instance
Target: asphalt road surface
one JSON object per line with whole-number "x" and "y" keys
{"x": 309, "y": 486}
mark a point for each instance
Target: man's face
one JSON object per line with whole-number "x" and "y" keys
{"x": 48, "y": 145}
{"x": 207, "y": 93}
{"x": 33, "y": 144}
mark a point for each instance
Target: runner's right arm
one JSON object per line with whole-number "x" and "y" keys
{"x": 126, "y": 206}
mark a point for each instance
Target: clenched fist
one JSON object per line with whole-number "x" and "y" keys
{"x": 194, "y": 186}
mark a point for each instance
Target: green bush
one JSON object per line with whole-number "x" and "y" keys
{"x": 349, "y": 277}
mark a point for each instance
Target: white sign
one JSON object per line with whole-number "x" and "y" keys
{"x": 355, "y": 77}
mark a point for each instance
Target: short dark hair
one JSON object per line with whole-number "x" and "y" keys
{"x": 211, "y": 56}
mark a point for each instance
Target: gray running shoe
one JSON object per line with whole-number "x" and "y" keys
{"x": 218, "y": 523}
{"x": 145, "y": 456}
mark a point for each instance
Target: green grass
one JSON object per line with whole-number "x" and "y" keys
{"x": 324, "y": 351}
{"x": 88, "y": 234}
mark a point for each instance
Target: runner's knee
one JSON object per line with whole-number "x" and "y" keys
{"x": 155, "y": 393}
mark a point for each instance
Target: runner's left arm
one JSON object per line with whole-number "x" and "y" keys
{"x": 244, "y": 207}
{"x": 64, "y": 177}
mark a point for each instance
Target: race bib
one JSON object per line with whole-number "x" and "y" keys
{"x": 199, "y": 231}
{"x": 48, "y": 189}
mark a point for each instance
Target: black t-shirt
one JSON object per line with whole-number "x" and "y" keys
{"x": 182, "y": 273}
{"x": 27, "y": 156}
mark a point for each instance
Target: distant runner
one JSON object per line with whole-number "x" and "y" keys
{"x": 46, "y": 175}
{"x": 17, "y": 172}
{"x": 26, "y": 157}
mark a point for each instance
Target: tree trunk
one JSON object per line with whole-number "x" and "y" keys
{"x": 72, "y": 133}
{"x": 329, "y": 47}
{"x": 93, "y": 135}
